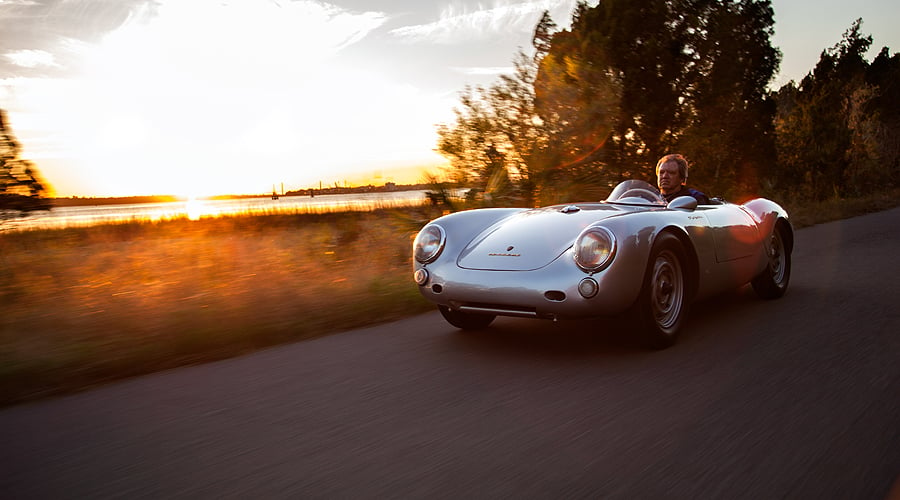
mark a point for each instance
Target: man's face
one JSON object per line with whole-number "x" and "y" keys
{"x": 669, "y": 179}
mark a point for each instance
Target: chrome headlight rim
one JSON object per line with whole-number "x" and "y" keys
{"x": 429, "y": 243}
{"x": 607, "y": 257}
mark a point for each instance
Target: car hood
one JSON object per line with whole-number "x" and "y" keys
{"x": 532, "y": 239}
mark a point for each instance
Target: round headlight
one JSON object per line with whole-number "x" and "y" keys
{"x": 595, "y": 248}
{"x": 429, "y": 243}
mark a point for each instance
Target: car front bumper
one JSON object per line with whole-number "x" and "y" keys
{"x": 549, "y": 292}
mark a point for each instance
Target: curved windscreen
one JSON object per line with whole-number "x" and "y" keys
{"x": 635, "y": 192}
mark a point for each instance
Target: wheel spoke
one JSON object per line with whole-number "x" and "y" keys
{"x": 773, "y": 281}
{"x": 667, "y": 290}
{"x": 776, "y": 257}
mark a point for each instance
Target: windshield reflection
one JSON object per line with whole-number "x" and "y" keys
{"x": 636, "y": 192}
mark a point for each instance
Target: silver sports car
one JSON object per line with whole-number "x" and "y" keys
{"x": 632, "y": 253}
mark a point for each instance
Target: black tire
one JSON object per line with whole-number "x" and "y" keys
{"x": 466, "y": 321}
{"x": 773, "y": 282}
{"x": 663, "y": 304}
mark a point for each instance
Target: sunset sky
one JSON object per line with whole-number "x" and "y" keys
{"x": 197, "y": 97}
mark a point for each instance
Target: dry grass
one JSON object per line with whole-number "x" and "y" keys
{"x": 86, "y": 305}
{"x": 805, "y": 213}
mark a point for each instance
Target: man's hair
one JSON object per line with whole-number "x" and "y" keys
{"x": 679, "y": 160}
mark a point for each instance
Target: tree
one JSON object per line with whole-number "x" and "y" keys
{"x": 20, "y": 185}
{"x": 873, "y": 116}
{"x": 730, "y": 132}
{"x": 631, "y": 80}
{"x": 839, "y": 130}
{"x": 497, "y": 139}
{"x": 577, "y": 101}
{"x": 691, "y": 76}
{"x": 838, "y": 71}
{"x": 520, "y": 143}
{"x": 641, "y": 49}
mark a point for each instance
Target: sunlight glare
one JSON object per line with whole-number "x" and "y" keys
{"x": 193, "y": 208}
{"x": 209, "y": 97}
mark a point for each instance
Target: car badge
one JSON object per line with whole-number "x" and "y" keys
{"x": 506, "y": 253}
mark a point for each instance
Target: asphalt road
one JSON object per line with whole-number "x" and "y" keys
{"x": 795, "y": 398}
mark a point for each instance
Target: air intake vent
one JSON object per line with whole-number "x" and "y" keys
{"x": 555, "y": 295}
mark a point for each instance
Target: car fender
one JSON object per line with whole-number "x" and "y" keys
{"x": 769, "y": 215}
{"x": 461, "y": 228}
{"x": 635, "y": 235}
{"x": 765, "y": 213}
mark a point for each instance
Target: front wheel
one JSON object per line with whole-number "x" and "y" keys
{"x": 773, "y": 282}
{"x": 663, "y": 304}
{"x": 466, "y": 321}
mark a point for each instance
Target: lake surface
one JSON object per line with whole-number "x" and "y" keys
{"x": 195, "y": 209}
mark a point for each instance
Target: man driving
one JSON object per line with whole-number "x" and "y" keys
{"x": 671, "y": 175}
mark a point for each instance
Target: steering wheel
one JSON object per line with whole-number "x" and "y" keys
{"x": 640, "y": 193}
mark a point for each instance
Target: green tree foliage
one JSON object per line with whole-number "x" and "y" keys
{"x": 839, "y": 130}
{"x": 495, "y": 137}
{"x": 876, "y": 125}
{"x": 631, "y": 80}
{"x": 730, "y": 134}
{"x": 644, "y": 51}
{"x": 692, "y": 77}
{"x": 577, "y": 100}
{"x": 514, "y": 153}
{"x": 20, "y": 185}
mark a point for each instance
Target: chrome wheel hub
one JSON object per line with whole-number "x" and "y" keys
{"x": 776, "y": 258}
{"x": 667, "y": 290}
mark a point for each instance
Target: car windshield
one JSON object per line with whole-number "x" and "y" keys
{"x": 635, "y": 192}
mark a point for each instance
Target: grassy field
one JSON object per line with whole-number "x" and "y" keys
{"x": 86, "y": 305}
{"x": 83, "y": 306}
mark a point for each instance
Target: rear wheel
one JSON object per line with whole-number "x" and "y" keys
{"x": 663, "y": 303}
{"x": 773, "y": 282}
{"x": 466, "y": 321}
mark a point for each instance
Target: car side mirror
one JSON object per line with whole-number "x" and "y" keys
{"x": 686, "y": 203}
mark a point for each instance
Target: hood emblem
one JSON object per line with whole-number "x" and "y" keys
{"x": 506, "y": 253}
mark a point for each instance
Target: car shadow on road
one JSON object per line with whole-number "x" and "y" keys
{"x": 615, "y": 337}
{"x": 545, "y": 338}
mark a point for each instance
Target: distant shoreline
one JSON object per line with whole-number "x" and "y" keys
{"x": 78, "y": 201}
{"x": 85, "y": 201}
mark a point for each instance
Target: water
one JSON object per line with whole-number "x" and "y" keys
{"x": 195, "y": 209}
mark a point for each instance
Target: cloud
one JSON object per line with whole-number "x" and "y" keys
{"x": 463, "y": 25}
{"x": 31, "y": 58}
{"x": 19, "y": 3}
{"x": 55, "y": 26}
{"x": 215, "y": 36}
{"x": 485, "y": 70}
{"x": 218, "y": 94}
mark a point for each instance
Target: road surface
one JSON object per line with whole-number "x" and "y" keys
{"x": 794, "y": 398}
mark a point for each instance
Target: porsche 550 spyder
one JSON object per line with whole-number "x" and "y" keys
{"x": 632, "y": 253}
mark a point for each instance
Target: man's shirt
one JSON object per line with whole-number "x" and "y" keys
{"x": 702, "y": 199}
